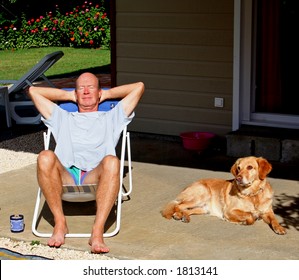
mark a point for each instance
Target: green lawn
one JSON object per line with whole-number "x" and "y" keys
{"x": 13, "y": 64}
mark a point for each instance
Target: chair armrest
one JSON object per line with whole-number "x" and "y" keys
{"x": 8, "y": 81}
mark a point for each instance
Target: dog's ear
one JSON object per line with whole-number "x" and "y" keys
{"x": 233, "y": 169}
{"x": 264, "y": 167}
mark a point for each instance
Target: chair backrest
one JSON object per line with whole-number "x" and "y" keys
{"x": 36, "y": 71}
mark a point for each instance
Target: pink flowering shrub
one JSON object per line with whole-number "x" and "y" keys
{"x": 86, "y": 26}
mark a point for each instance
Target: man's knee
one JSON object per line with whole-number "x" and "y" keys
{"x": 46, "y": 159}
{"x": 111, "y": 164}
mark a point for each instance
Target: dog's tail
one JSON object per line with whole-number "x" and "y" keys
{"x": 168, "y": 211}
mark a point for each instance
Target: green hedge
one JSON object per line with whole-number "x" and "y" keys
{"x": 86, "y": 26}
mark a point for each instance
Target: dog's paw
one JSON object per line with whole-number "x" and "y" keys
{"x": 179, "y": 216}
{"x": 166, "y": 215}
{"x": 279, "y": 230}
{"x": 186, "y": 219}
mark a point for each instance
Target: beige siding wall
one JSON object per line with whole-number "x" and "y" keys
{"x": 183, "y": 52}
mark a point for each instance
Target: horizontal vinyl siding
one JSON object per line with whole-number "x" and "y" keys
{"x": 182, "y": 114}
{"x": 182, "y": 51}
{"x": 174, "y": 21}
{"x": 165, "y": 127}
{"x": 179, "y": 52}
{"x": 174, "y": 98}
{"x": 174, "y": 67}
{"x": 175, "y": 6}
{"x": 175, "y": 36}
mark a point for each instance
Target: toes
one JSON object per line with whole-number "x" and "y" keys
{"x": 177, "y": 218}
{"x": 55, "y": 244}
{"x": 280, "y": 230}
{"x": 100, "y": 250}
{"x": 185, "y": 219}
{"x": 98, "y": 246}
{"x": 181, "y": 217}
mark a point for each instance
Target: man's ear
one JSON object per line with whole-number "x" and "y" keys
{"x": 102, "y": 95}
{"x": 75, "y": 96}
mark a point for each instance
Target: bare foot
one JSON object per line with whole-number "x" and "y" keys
{"x": 58, "y": 236}
{"x": 97, "y": 245}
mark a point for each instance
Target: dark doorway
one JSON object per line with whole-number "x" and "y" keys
{"x": 277, "y": 57}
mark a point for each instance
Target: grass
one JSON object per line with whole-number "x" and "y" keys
{"x": 14, "y": 64}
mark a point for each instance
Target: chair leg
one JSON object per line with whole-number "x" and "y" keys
{"x": 128, "y": 146}
{"x": 35, "y": 217}
{"x": 4, "y": 90}
{"x": 129, "y": 164}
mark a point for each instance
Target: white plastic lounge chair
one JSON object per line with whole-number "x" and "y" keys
{"x": 86, "y": 193}
{"x": 35, "y": 73}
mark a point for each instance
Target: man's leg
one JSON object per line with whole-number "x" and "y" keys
{"x": 107, "y": 176}
{"x": 51, "y": 175}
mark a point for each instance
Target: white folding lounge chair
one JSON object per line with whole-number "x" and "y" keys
{"x": 86, "y": 193}
{"x": 35, "y": 73}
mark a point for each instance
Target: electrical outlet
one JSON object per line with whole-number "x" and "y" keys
{"x": 219, "y": 102}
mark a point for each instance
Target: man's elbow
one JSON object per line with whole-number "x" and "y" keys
{"x": 141, "y": 87}
{"x": 30, "y": 91}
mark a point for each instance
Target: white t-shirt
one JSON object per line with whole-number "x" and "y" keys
{"x": 84, "y": 139}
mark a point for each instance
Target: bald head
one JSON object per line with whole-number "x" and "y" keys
{"x": 88, "y": 78}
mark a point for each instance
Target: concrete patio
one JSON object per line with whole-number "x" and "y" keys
{"x": 161, "y": 168}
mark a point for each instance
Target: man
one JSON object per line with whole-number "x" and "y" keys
{"x": 85, "y": 145}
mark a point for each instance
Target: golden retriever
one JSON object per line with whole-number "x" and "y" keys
{"x": 243, "y": 200}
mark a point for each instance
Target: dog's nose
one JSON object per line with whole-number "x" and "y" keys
{"x": 239, "y": 179}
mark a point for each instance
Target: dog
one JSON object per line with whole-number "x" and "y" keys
{"x": 243, "y": 200}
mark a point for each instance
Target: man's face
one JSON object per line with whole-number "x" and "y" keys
{"x": 87, "y": 93}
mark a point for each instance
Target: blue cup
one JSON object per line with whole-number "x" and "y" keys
{"x": 17, "y": 223}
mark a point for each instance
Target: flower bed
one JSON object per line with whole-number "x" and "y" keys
{"x": 86, "y": 26}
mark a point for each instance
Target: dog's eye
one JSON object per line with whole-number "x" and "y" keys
{"x": 249, "y": 167}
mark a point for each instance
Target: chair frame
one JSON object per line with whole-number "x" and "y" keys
{"x": 4, "y": 92}
{"x": 125, "y": 144}
{"x": 36, "y": 72}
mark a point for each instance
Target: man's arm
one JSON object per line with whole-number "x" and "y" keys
{"x": 44, "y": 97}
{"x": 130, "y": 94}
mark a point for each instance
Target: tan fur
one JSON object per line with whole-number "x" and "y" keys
{"x": 245, "y": 199}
